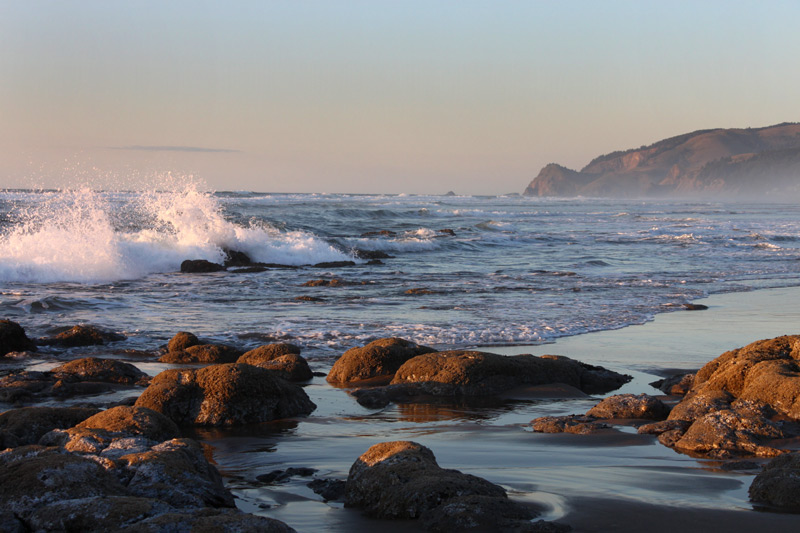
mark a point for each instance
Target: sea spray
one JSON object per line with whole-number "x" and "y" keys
{"x": 88, "y": 236}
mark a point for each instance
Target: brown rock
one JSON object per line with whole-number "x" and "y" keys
{"x": 677, "y": 385}
{"x": 471, "y": 373}
{"x": 202, "y": 353}
{"x": 13, "y": 338}
{"x": 335, "y": 282}
{"x": 730, "y": 432}
{"x": 778, "y": 485}
{"x": 378, "y": 359}
{"x": 630, "y": 406}
{"x": 698, "y": 404}
{"x": 128, "y": 421}
{"x": 228, "y": 394}
{"x": 290, "y": 366}
{"x": 104, "y": 370}
{"x": 20, "y": 427}
{"x": 267, "y": 352}
{"x": 83, "y": 335}
{"x": 181, "y": 341}
{"x": 578, "y": 424}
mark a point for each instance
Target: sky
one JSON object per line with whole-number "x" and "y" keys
{"x": 374, "y": 96}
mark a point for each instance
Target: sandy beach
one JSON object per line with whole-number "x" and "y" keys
{"x": 614, "y": 481}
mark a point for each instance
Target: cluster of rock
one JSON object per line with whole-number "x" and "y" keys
{"x": 414, "y": 371}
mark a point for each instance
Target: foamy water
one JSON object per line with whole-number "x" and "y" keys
{"x": 499, "y": 270}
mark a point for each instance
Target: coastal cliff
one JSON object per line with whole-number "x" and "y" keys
{"x": 717, "y": 162}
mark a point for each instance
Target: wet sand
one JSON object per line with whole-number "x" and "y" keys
{"x": 615, "y": 481}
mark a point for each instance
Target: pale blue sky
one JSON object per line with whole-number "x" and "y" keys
{"x": 375, "y": 96}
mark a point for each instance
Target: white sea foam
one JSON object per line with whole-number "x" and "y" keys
{"x": 82, "y": 236}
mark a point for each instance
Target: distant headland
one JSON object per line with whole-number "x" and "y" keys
{"x": 752, "y": 162}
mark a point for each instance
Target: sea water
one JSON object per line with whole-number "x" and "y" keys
{"x": 464, "y": 271}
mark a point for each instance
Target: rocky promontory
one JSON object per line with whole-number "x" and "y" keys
{"x": 762, "y": 162}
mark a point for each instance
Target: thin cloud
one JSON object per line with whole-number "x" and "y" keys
{"x": 174, "y": 149}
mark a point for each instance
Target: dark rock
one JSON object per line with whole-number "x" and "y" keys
{"x": 104, "y": 370}
{"x": 630, "y": 406}
{"x": 379, "y": 359}
{"x": 335, "y": 264}
{"x": 469, "y": 373}
{"x": 447, "y": 231}
{"x": 372, "y": 262}
{"x": 208, "y": 520}
{"x": 382, "y": 233}
{"x": 203, "y": 353}
{"x": 695, "y": 307}
{"x": 578, "y": 424}
{"x": 677, "y": 385}
{"x": 283, "y": 358}
{"x": 279, "y": 476}
{"x": 309, "y": 299}
{"x": 181, "y": 341}
{"x": 370, "y": 254}
{"x": 20, "y": 427}
{"x": 401, "y": 480}
{"x": 657, "y": 428}
{"x": 234, "y": 258}
{"x": 223, "y": 395}
{"x": 335, "y": 282}
{"x": 95, "y": 515}
{"x": 13, "y": 338}
{"x": 178, "y": 473}
{"x": 329, "y": 489}
{"x": 82, "y": 335}
{"x": 778, "y": 485}
{"x": 200, "y": 266}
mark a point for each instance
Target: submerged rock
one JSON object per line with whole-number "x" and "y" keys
{"x": 13, "y": 338}
{"x": 578, "y": 424}
{"x": 630, "y": 406}
{"x": 378, "y": 359}
{"x": 778, "y": 484}
{"x": 402, "y": 480}
{"x": 82, "y": 335}
{"x": 223, "y": 395}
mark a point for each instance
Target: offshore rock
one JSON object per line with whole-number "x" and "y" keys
{"x": 469, "y": 373}
{"x": 200, "y": 266}
{"x": 82, "y": 335}
{"x": 402, "y": 480}
{"x": 778, "y": 485}
{"x": 224, "y": 395}
{"x": 630, "y": 406}
{"x": 20, "y": 427}
{"x": 13, "y": 338}
{"x": 379, "y": 359}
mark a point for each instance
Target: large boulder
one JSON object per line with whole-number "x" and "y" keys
{"x": 125, "y": 420}
{"x": 20, "y": 427}
{"x": 281, "y": 357}
{"x": 181, "y": 341}
{"x": 13, "y": 338}
{"x": 469, "y": 373}
{"x": 379, "y": 359}
{"x": 778, "y": 485}
{"x": 223, "y": 395}
{"x": 202, "y": 353}
{"x": 402, "y": 480}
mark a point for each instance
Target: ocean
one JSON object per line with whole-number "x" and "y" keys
{"x": 508, "y": 274}
{"x": 463, "y": 271}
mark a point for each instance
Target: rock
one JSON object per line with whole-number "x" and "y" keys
{"x": 778, "y": 484}
{"x": 662, "y": 426}
{"x": 202, "y": 353}
{"x": 379, "y": 359}
{"x": 329, "y": 489}
{"x": 381, "y": 233}
{"x": 335, "y": 282}
{"x": 178, "y": 473}
{"x": 33, "y": 476}
{"x": 267, "y": 352}
{"x": 469, "y": 373}
{"x": 577, "y": 424}
{"x": 104, "y": 370}
{"x": 677, "y": 385}
{"x": 20, "y": 427}
{"x": 291, "y": 366}
{"x": 695, "y": 307}
{"x": 630, "y": 406}
{"x": 128, "y": 421}
{"x": 223, "y": 395}
{"x": 208, "y": 520}
{"x": 335, "y": 264}
{"x": 200, "y": 266}
{"x": 234, "y": 258}
{"x": 13, "y": 338}
{"x": 418, "y": 291}
{"x": 698, "y": 404}
{"x": 447, "y": 231}
{"x": 181, "y": 341}
{"x": 98, "y": 514}
{"x": 279, "y": 476}
{"x": 402, "y": 480}
{"x": 309, "y": 299}
{"x": 370, "y": 254}
{"x": 82, "y": 335}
